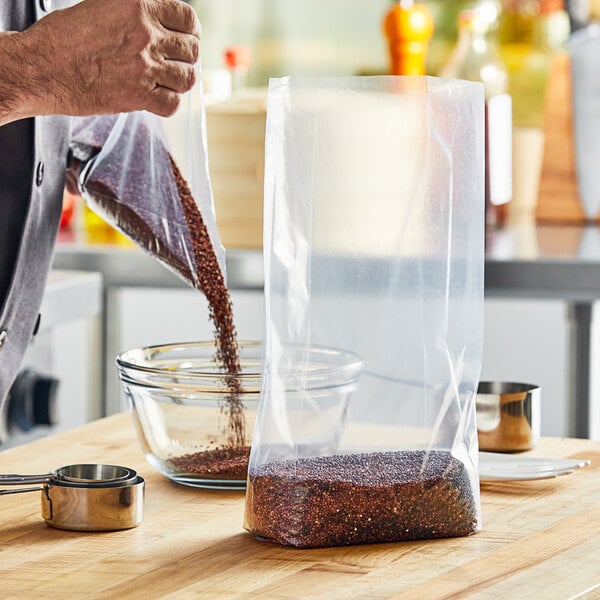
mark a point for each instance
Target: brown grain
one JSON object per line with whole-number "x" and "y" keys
{"x": 361, "y": 498}
{"x": 211, "y": 282}
{"x": 223, "y": 463}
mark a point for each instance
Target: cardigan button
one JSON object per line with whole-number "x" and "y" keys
{"x": 39, "y": 174}
{"x": 36, "y": 327}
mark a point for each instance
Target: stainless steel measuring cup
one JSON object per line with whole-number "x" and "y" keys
{"x": 86, "y": 497}
{"x": 508, "y": 416}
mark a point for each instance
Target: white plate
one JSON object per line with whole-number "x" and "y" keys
{"x": 508, "y": 467}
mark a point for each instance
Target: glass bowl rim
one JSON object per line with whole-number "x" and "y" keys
{"x": 352, "y": 364}
{"x": 123, "y": 362}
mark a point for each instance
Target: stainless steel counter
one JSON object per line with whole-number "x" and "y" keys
{"x": 544, "y": 261}
{"x": 524, "y": 260}
{"x": 123, "y": 266}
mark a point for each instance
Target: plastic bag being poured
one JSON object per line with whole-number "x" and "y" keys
{"x": 148, "y": 177}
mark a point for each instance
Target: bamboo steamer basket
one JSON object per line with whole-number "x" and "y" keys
{"x": 236, "y": 155}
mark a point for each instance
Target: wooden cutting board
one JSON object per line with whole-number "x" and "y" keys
{"x": 558, "y": 196}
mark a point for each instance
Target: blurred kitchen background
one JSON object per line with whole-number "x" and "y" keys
{"x": 303, "y": 38}
{"x": 543, "y": 254}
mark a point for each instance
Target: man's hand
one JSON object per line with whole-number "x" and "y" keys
{"x": 101, "y": 56}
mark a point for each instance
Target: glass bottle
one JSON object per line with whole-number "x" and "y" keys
{"x": 530, "y": 31}
{"x": 237, "y": 60}
{"x": 445, "y": 15}
{"x": 476, "y": 58}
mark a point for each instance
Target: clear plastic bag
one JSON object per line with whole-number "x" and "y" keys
{"x": 374, "y": 249}
{"x": 148, "y": 177}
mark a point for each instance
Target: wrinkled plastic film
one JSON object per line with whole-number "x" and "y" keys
{"x": 129, "y": 180}
{"x": 373, "y": 246}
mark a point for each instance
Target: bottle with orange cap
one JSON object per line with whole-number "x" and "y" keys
{"x": 237, "y": 59}
{"x": 408, "y": 27}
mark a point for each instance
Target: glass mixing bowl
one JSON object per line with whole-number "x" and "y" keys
{"x": 196, "y": 432}
{"x": 189, "y": 424}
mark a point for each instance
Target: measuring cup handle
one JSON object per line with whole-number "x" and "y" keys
{"x": 20, "y": 491}
{"x": 13, "y": 479}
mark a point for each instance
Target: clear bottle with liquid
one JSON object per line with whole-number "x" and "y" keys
{"x": 445, "y": 15}
{"x": 530, "y": 31}
{"x": 476, "y": 58}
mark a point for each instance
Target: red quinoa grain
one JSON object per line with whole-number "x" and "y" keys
{"x": 360, "y": 499}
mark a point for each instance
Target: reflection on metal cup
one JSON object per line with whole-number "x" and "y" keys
{"x": 87, "y": 508}
{"x": 85, "y": 497}
{"x": 508, "y": 416}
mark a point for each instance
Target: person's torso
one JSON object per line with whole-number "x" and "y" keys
{"x": 16, "y": 160}
{"x": 33, "y": 156}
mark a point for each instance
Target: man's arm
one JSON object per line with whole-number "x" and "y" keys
{"x": 12, "y": 83}
{"x": 100, "y": 57}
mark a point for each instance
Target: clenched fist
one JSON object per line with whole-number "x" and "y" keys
{"x": 101, "y": 56}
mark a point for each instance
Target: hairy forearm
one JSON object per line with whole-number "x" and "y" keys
{"x": 99, "y": 57}
{"x": 12, "y": 81}
{"x": 24, "y": 78}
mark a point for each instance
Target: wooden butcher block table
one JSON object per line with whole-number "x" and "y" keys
{"x": 540, "y": 539}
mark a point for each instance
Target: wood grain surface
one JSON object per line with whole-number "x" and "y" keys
{"x": 540, "y": 539}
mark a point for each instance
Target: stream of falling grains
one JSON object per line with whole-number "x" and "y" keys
{"x": 231, "y": 461}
